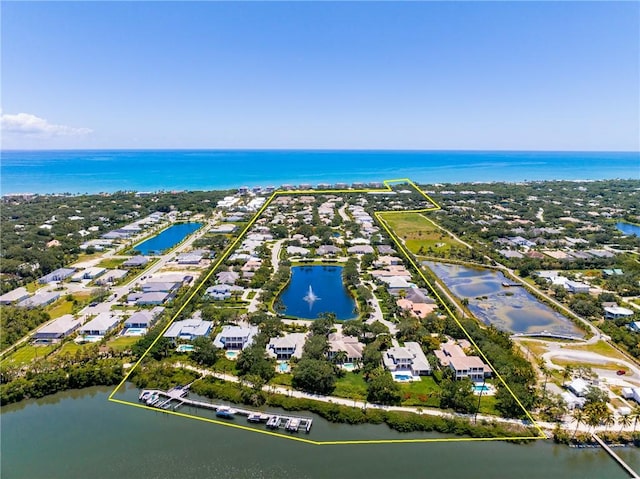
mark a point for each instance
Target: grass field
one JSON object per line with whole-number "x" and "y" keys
{"x": 60, "y": 308}
{"x": 122, "y": 343}
{"x": 26, "y": 354}
{"x": 536, "y": 347}
{"x": 111, "y": 263}
{"x": 601, "y": 347}
{"x": 612, "y": 366}
{"x": 420, "y": 234}
{"x": 420, "y": 393}
{"x": 351, "y": 386}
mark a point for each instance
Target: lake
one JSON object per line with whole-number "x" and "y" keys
{"x": 628, "y": 228}
{"x": 79, "y": 434}
{"x": 512, "y": 309}
{"x": 167, "y": 239}
{"x": 317, "y": 289}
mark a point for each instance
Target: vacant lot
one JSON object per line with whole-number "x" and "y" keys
{"x": 421, "y": 235}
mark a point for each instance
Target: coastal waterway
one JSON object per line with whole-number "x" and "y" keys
{"x": 512, "y": 309}
{"x": 85, "y": 435}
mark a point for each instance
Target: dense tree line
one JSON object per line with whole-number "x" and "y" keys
{"x": 98, "y": 372}
{"x": 15, "y": 323}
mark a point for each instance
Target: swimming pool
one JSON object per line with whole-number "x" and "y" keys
{"x": 483, "y": 389}
{"x": 134, "y": 331}
{"x": 283, "y": 367}
{"x": 185, "y": 348}
{"x": 231, "y": 354}
{"x": 348, "y": 366}
{"x": 402, "y": 377}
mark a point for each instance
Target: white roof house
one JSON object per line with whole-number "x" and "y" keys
{"x": 39, "y": 299}
{"x": 235, "y": 337}
{"x": 409, "y": 358}
{"x": 58, "y": 329}
{"x": 288, "y": 346}
{"x": 189, "y": 329}
{"x": 101, "y": 324}
{"x": 143, "y": 319}
{"x": 14, "y": 296}
{"x": 579, "y": 387}
{"x": 615, "y": 312}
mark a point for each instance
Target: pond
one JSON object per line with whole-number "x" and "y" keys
{"x": 628, "y": 228}
{"x": 512, "y": 309}
{"x": 317, "y": 289}
{"x": 167, "y": 239}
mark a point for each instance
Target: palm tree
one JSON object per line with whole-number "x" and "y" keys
{"x": 635, "y": 416}
{"x": 579, "y": 416}
{"x": 608, "y": 419}
{"x": 624, "y": 421}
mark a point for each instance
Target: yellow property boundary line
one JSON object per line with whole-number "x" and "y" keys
{"x": 405, "y": 252}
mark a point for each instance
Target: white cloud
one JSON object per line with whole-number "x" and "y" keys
{"x": 31, "y": 125}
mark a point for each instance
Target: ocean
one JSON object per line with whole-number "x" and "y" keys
{"x": 93, "y": 171}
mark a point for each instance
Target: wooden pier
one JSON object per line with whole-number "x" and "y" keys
{"x": 177, "y": 397}
{"x": 617, "y": 458}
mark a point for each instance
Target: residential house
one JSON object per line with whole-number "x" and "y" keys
{"x": 58, "y": 329}
{"x": 407, "y": 358}
{"x": 14, "y": 296}
{"x": 59, "y": 274}
{"x": 135, "y": 262}
{"x": 617, "y": 312}
{"x": 350, "y": 345}
{"x": 189, "y": 329}
{"x": 143, "y": 319}
{"x": 576, "y": 287}
{"x": 288, "y": 346}
{"x": 39, "y": 299}
{"x": 101, "y": 325}
{"x": 235, "y": 337}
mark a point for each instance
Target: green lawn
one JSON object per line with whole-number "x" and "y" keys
{"x": 26, "y": 354}
{"x": 71, "y": 347}
{"x": 282, "y": 380}
{"x": 122, "y": 343}
{"x": 60, "y": 308}
{"x": 420, "y": 233}
{"x": 111, "y": 263}
{"x": 421, "y": 393}
{"x": 351, "y": 386}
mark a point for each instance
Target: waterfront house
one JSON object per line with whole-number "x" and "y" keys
{"x": 350, "y": 345}
{"x": 288, "y": 346}
{"x": 407, "y": 358}
{"x": 58, "y": 329}
{"x": 328, "y": 250}
{"x": 451, "y": 354}
{"x": 360, "y": 249}
{"x": 235, "y": 337}
{"x": 189, "y": 329}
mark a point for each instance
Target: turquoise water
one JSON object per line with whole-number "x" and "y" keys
{"x": 510, "y": 309}
{"x": 185, "y": 348}
{"x": 403, "y": 377}
{"x": 330, "y": 295}
{"x": 283, "y": 367}
{"x": 628, "y": 228}
{"x": 88, "y": 436}
{"x": 151, "y": 170}
{"x": 480, "y": 387}
{"x": 167, "y": 239}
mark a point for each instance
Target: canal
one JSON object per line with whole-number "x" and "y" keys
{"x": 79, "y": 434}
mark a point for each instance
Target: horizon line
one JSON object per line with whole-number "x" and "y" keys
{"x": 408, "y": 150}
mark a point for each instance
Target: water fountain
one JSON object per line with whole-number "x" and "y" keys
{"x": 310, "y": 297}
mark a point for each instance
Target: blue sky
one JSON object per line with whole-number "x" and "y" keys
{"x": 452, "y": 75}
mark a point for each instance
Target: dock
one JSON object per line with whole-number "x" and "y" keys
{"x": 617, "y": 458}
{"x": 511, "y": 285}
{"x": 177, "y": 397}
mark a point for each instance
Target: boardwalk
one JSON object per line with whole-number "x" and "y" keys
{"x": 176, "y": 398}
{"x": 617, "y": 458}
